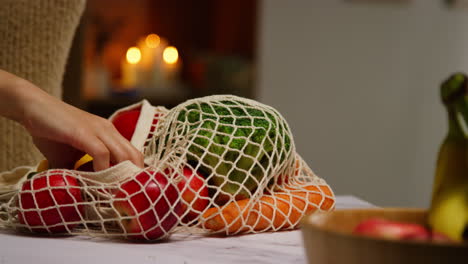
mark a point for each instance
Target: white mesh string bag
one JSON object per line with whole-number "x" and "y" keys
{"x": 218, "y": 164}
{"x": 122, "y": 202}
{"x": 244, "y": 153}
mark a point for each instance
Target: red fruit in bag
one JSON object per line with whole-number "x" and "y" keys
{"x": 125, "y": 122}
{"x": 194, "y": 193}
{"x": 148, "y": 205}
{"x": 50, "y": 202}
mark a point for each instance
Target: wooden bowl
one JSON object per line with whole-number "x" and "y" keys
{"x": 328, "y": 239}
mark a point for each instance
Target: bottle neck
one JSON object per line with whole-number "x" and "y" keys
{"x": 455, "y": 128}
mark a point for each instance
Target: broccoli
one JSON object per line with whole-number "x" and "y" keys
{"x": 233, "y": 145}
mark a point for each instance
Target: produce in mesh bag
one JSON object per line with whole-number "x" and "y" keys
{"x": 276, "y": 211}
{"x": 144, "y": 205}
{"x": 122, "y": 201}
{"x": 246, "y": 153}
{"x": 50, "y": 202}
{"x": 194, "y": 192}
{"x": 220, "y": 164}
{"x": 236, "y": 145}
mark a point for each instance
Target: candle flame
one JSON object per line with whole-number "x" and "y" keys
{"x": 133, "y": 55}
{"x": 152, "y": 40}
{"x": 170, "y": 55}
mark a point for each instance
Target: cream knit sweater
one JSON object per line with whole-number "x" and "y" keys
{"x": 35, "y": 38}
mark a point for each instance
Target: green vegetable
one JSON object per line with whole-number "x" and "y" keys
{"x": 235, "y": 145}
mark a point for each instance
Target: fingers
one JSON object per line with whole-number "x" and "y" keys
{"x": 96, "y": 149}
{"x": 101, "y": 159}
{"x": 120, "y": 148}
{"x": 57, "y": 122}
{"x": 105, "y": 144}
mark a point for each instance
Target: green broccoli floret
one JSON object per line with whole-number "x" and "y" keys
{"x": 234, "y": 143}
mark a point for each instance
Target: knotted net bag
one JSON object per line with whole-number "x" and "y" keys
{"x": 217, "y": 164}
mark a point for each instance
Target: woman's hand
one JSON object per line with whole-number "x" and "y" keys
{"x": 63, "y": 133}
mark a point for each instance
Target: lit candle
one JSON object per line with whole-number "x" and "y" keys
{"x": 130, "y": 68}
{"x": 149, "y": 50}
{"x": 171, "y": 63}
{"x": 170, "y": 55}
{"x": 151, "y": 47}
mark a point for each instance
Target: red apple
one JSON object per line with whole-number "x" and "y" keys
{"x": 382, "y": 228}
{"x": 148, "y": 205}
{"x": 126, "y": 121}
{"x": 194, "y": 193}
{"x": 53, "y": 196}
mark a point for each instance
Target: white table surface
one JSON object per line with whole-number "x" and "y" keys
{"x": 280, "y": 247}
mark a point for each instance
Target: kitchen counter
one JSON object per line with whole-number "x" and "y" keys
{"x": 280, "y": 247}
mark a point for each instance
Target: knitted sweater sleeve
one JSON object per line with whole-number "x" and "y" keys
{"x": 35, "y": 38}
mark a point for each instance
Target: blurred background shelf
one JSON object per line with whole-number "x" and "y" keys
{"x": 215, "y": 52}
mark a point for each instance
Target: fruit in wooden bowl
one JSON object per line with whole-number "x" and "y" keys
{"x": 379, "y": 227}
{"x": 329, "y": 238}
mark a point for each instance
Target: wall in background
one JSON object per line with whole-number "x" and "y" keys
{"x": 359, "y": 84}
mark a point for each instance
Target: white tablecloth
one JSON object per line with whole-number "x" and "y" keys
{"x": 280, "y": 247}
